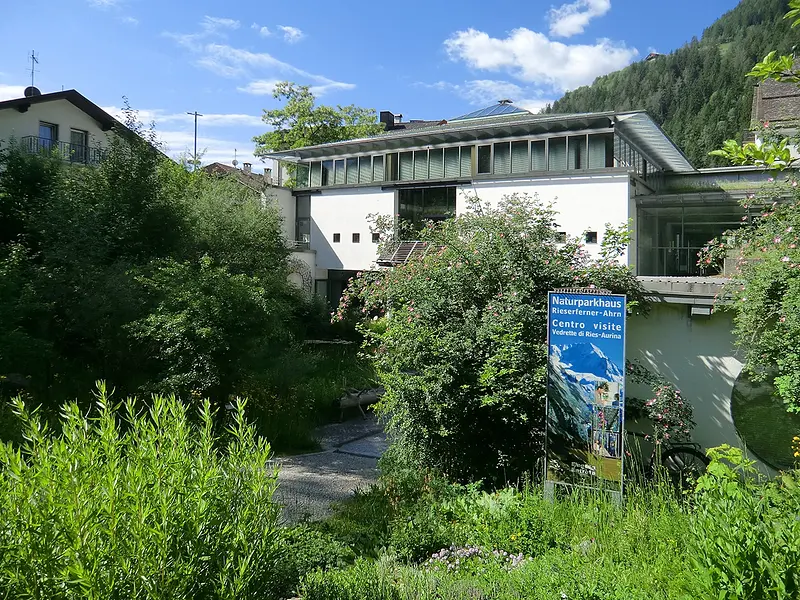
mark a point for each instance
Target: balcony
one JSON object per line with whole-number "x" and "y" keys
{"x": 73, "y": 153}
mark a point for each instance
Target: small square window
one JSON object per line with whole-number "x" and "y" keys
{"x": 591, "y": 237}
{"x": 337, "y": 237}
{"x": 561, "y": 237}
{"x": 356, "y": 238}
{"x": 376, "y": 238}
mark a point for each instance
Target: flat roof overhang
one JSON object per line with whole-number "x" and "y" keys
{"x": 638, "y": 127}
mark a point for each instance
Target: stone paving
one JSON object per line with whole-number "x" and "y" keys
{"x": 309, "y": 483}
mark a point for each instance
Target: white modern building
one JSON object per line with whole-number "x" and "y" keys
{"x": 595, "y": 169}
{"x": 65, "y": 122}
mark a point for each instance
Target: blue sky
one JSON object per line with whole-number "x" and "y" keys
{"x": 424, "y": 59}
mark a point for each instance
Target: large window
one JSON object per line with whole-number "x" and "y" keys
{"x": 303, "y": 221}
{"x": 78, "y": 145}
{"x": 669, "y": 237}
{"x": 416, "y": 206}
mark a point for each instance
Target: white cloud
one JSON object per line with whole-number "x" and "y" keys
{"x": 291, "y": 34}
{"x": 533, "y": 58}
{"x": 217, "y": 24}
{"x": 260, "y": 69}
{"x": 484, "y": 92}
{"x": 105, "y": 3}
{"x": 10, "y": 92}
{"x": 213, "y": 149}
{"x": 262, "y": 31}
{"x": 130, "y": 21}
{"x": 161, "y": 116}
{"x": 260, "y": 87}
{"x": 571, "y": 19}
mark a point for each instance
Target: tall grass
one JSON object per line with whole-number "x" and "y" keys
{"x": 582, "y": 546}
{"x": 129, "y": 503}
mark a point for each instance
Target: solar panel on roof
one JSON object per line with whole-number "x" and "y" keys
{"x": 491, "y": 111}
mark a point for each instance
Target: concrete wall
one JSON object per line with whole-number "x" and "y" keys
{"x": 59, "y": 112}
{"x": 345, "y": 212}
{"x": 283, "y": 199}
{"x": 697, "y": 355}
{"x": 583, "y": 203}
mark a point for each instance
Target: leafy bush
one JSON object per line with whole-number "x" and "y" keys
{"x": 746, "y": 534}
{"x": 125, "y": 503}
{"x": 462, "y": 350}
{"x": 304, "y": 549}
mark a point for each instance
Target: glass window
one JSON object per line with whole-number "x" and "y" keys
{"x": 429, "y": 204}
{"x": 303, "y": 220}
{"x": 484, "y": 160}
{"x": 356, "y": 238}
{"x": 502, "y": 158}
{"x": 451, "y": 164}
{"x": 327, "y": 172}
{"x": 538, "y": 156}
{"x": 337, "y": 237}
{"x": 78, "y": 145}
{"x": 519, "y": 157}
{"x": 406, "y": 166}
{"x": 437, "y": 163}
{"x": 338, "y": 169}
{"x": 577, "y": 152}
{"x": 301, "y": 175}
{"x": 365, "y": 169}
{"x": 316, "y": 173}
{"x": 591, "y": 237}
{"x": 561, "y": 237}
{"x": 557, "y": 154}
{"x": 376, "y": 237}
{"x": 352, "y": 171}
{"x": 377, "y": 168}
{"x": 601, "y": 151}
{"x": 421, "y": 164}
{"x": 466, "y": 161}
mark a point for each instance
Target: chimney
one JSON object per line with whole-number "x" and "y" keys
{"x": 387, "y": 118}
{"x": 247, "y": 167}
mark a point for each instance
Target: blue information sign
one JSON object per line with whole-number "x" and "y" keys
{"x": 585, "y": 389}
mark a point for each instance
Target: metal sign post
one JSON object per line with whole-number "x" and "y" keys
{"x": 585, "y": 390}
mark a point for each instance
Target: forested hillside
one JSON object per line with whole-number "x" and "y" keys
{"x": 698, "y": 93}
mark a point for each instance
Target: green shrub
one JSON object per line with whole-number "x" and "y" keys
{"x": 304, "y": 549}
{"x": 462, "y": 350}
{"x": 126, "y": 503}
{"x": 746, "y": 534}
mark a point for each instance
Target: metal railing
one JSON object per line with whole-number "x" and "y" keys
{"x": 675, "y": 261}
{"x": 74, "y": 153}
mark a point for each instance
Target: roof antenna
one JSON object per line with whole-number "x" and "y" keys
{"x": 34, "y": 62}
{"x": 234, "y": 162}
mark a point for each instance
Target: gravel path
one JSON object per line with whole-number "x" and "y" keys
{"x": 309, "y": 483}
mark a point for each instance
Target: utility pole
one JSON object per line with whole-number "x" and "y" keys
{"x": 195, "y": 114}
{"x": 34, "y": 62}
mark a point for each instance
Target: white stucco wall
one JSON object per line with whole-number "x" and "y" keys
{"x": 583, "y": 202}
{"x": 696, "y": 355}
{"x": 345, "y": 212}
{"x": 283, "y": 199}
{"x": 59, "y": 112}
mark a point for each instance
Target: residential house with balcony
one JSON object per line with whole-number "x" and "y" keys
{"x": 63, "y": 122}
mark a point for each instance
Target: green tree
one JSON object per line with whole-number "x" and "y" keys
{"x": 459, "y": 337}
{"x": 301, "y": 122}
{"x": 766, "y": 293}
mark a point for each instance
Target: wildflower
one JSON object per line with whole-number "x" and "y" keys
{"x": 785, "y": 259}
